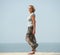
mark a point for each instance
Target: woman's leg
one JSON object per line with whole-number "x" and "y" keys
{"x": 33, "y": 40}
{"x": 30, "y": 38}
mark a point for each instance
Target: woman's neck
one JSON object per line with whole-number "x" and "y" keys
{"x": 31, "y": 12}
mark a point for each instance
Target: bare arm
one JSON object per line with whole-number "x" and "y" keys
{"x": 34, "y": 24}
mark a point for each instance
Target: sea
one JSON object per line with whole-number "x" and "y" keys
{"x": 24, "y": 47}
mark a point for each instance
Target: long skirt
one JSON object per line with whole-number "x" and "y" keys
{"x": 30, "y": 38}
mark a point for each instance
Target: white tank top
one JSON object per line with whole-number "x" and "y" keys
{"x": 30, "y": 20}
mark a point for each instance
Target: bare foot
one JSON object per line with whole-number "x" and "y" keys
{"x": 32, "y": 52}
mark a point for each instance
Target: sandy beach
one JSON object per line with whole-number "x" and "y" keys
{"x": 26, "y": 53}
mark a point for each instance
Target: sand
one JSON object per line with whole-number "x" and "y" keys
{"x": 26, "y": 53}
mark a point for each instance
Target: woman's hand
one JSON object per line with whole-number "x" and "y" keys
{"x": 33, "y": 31}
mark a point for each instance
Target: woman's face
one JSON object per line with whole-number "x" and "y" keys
{"x": 30, "y": 9}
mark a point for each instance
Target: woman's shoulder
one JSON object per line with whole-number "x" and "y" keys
{"x": 33, "y": 14}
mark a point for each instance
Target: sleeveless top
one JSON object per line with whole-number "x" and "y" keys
{"x": 30, "y": 20}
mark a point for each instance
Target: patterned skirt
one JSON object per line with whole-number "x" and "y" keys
{"x": 30, "y": 38}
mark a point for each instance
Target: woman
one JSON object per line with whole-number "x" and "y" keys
{"x": 30, "y": 35}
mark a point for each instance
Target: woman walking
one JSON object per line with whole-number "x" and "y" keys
{"x": 30, "y": 35}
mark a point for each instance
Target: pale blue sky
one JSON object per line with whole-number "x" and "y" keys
{"x": 13, "y": 20}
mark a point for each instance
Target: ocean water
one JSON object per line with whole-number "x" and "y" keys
{"x": 24, "y": 47}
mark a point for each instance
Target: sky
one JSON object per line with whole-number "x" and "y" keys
{"x": 13, "y": 20}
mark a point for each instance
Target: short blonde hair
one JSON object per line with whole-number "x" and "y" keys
{"x": 33, "y": 8}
